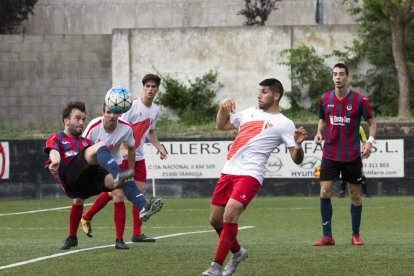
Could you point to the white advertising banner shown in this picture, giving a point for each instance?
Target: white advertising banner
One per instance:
(4, 160)
(205, 159)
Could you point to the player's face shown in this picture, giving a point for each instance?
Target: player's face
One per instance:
(265, 98)
(150, 90)
(74, 124)
(339, 77)
(110, 119)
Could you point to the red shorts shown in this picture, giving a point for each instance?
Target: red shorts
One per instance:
(140, 170)
(242, 188)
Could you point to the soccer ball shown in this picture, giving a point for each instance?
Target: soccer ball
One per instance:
(118, 99)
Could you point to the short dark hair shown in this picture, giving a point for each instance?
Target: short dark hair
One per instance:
(343, 66)
(151, 77)
(274, 84)
(70, 106)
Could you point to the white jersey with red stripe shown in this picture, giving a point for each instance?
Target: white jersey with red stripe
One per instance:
(142, 118)
(122, 134)
(260, 133)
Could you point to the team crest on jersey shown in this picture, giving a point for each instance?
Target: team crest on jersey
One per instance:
(348, 107)
(268, 124)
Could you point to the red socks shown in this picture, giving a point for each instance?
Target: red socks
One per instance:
(97, 205)
(74, 219)
(227, 238)
(236, 246)
(136, 230)
(119, 219)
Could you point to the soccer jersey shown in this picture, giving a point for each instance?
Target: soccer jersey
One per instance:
(68, 148)
(260, 133)
(95, 131)
(343, 119)
(142, 119)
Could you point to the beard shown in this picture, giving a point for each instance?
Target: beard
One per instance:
(74, 131)
(264, 106)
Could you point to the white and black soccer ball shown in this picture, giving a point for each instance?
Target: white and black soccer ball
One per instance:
(118, 99)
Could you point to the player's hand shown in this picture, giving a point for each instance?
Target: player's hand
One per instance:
(318, 139)
(163, 153)
(300, 135)
(366, 150)
(228, 105)
(54, 168)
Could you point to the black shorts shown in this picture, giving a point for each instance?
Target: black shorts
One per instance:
(84, 180)
(349, 171)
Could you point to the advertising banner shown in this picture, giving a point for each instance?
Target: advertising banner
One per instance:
(4, 160)
(205, 159)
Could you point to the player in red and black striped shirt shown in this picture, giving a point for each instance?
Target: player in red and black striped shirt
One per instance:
(340, 114)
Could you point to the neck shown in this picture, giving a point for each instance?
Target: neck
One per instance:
(272, 110)
(146, 101)
(67, 133)
(341, 92)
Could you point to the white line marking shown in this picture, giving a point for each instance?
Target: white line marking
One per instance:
(104, 246)
(39, 211)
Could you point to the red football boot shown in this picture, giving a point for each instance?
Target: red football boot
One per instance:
(356, 240)
(326, 240)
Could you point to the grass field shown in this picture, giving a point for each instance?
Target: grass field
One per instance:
(282, 229)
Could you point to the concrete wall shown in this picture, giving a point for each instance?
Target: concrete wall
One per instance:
(101, 16)
(243, 56)
(40, 73)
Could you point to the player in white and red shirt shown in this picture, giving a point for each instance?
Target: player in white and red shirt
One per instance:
(116, 132)
(143, 116)
(260, 132)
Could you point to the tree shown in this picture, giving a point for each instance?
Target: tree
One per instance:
(394, 16)
(13, 13)
(258, 12)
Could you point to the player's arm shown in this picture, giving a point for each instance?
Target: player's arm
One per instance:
(223, 115)
(367, 147)
(319, 131)
(54, 157)
(131, 158)
(296, 152)
(154, 140)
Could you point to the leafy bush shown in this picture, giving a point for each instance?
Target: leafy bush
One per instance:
(309, 74)
(194, 104)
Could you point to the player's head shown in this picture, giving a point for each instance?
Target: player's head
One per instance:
(74, 115)
(270, 93)
(274, 85)
(151, 78)
(110, 119)
(340, 75)
(151, 85)
(342, 66)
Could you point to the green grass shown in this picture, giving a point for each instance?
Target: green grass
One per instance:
(278, 244)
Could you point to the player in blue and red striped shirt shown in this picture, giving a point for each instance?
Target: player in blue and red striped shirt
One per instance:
(82, 168)
(340, 114)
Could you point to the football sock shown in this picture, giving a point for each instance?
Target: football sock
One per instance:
(356, 212)
(236, 246)
(134, 195)
(97, 205)
(74, 219)
(137, 223)
(326, 213)
(119, 219)
(106, 161)
(226, 241)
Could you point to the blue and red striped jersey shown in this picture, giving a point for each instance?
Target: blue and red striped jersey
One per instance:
(67, 147)
(343, 118)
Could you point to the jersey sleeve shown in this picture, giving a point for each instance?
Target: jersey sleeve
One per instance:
(130, 141)
(366, 109)
(288, 135)
(52, 142)
(236, 118)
